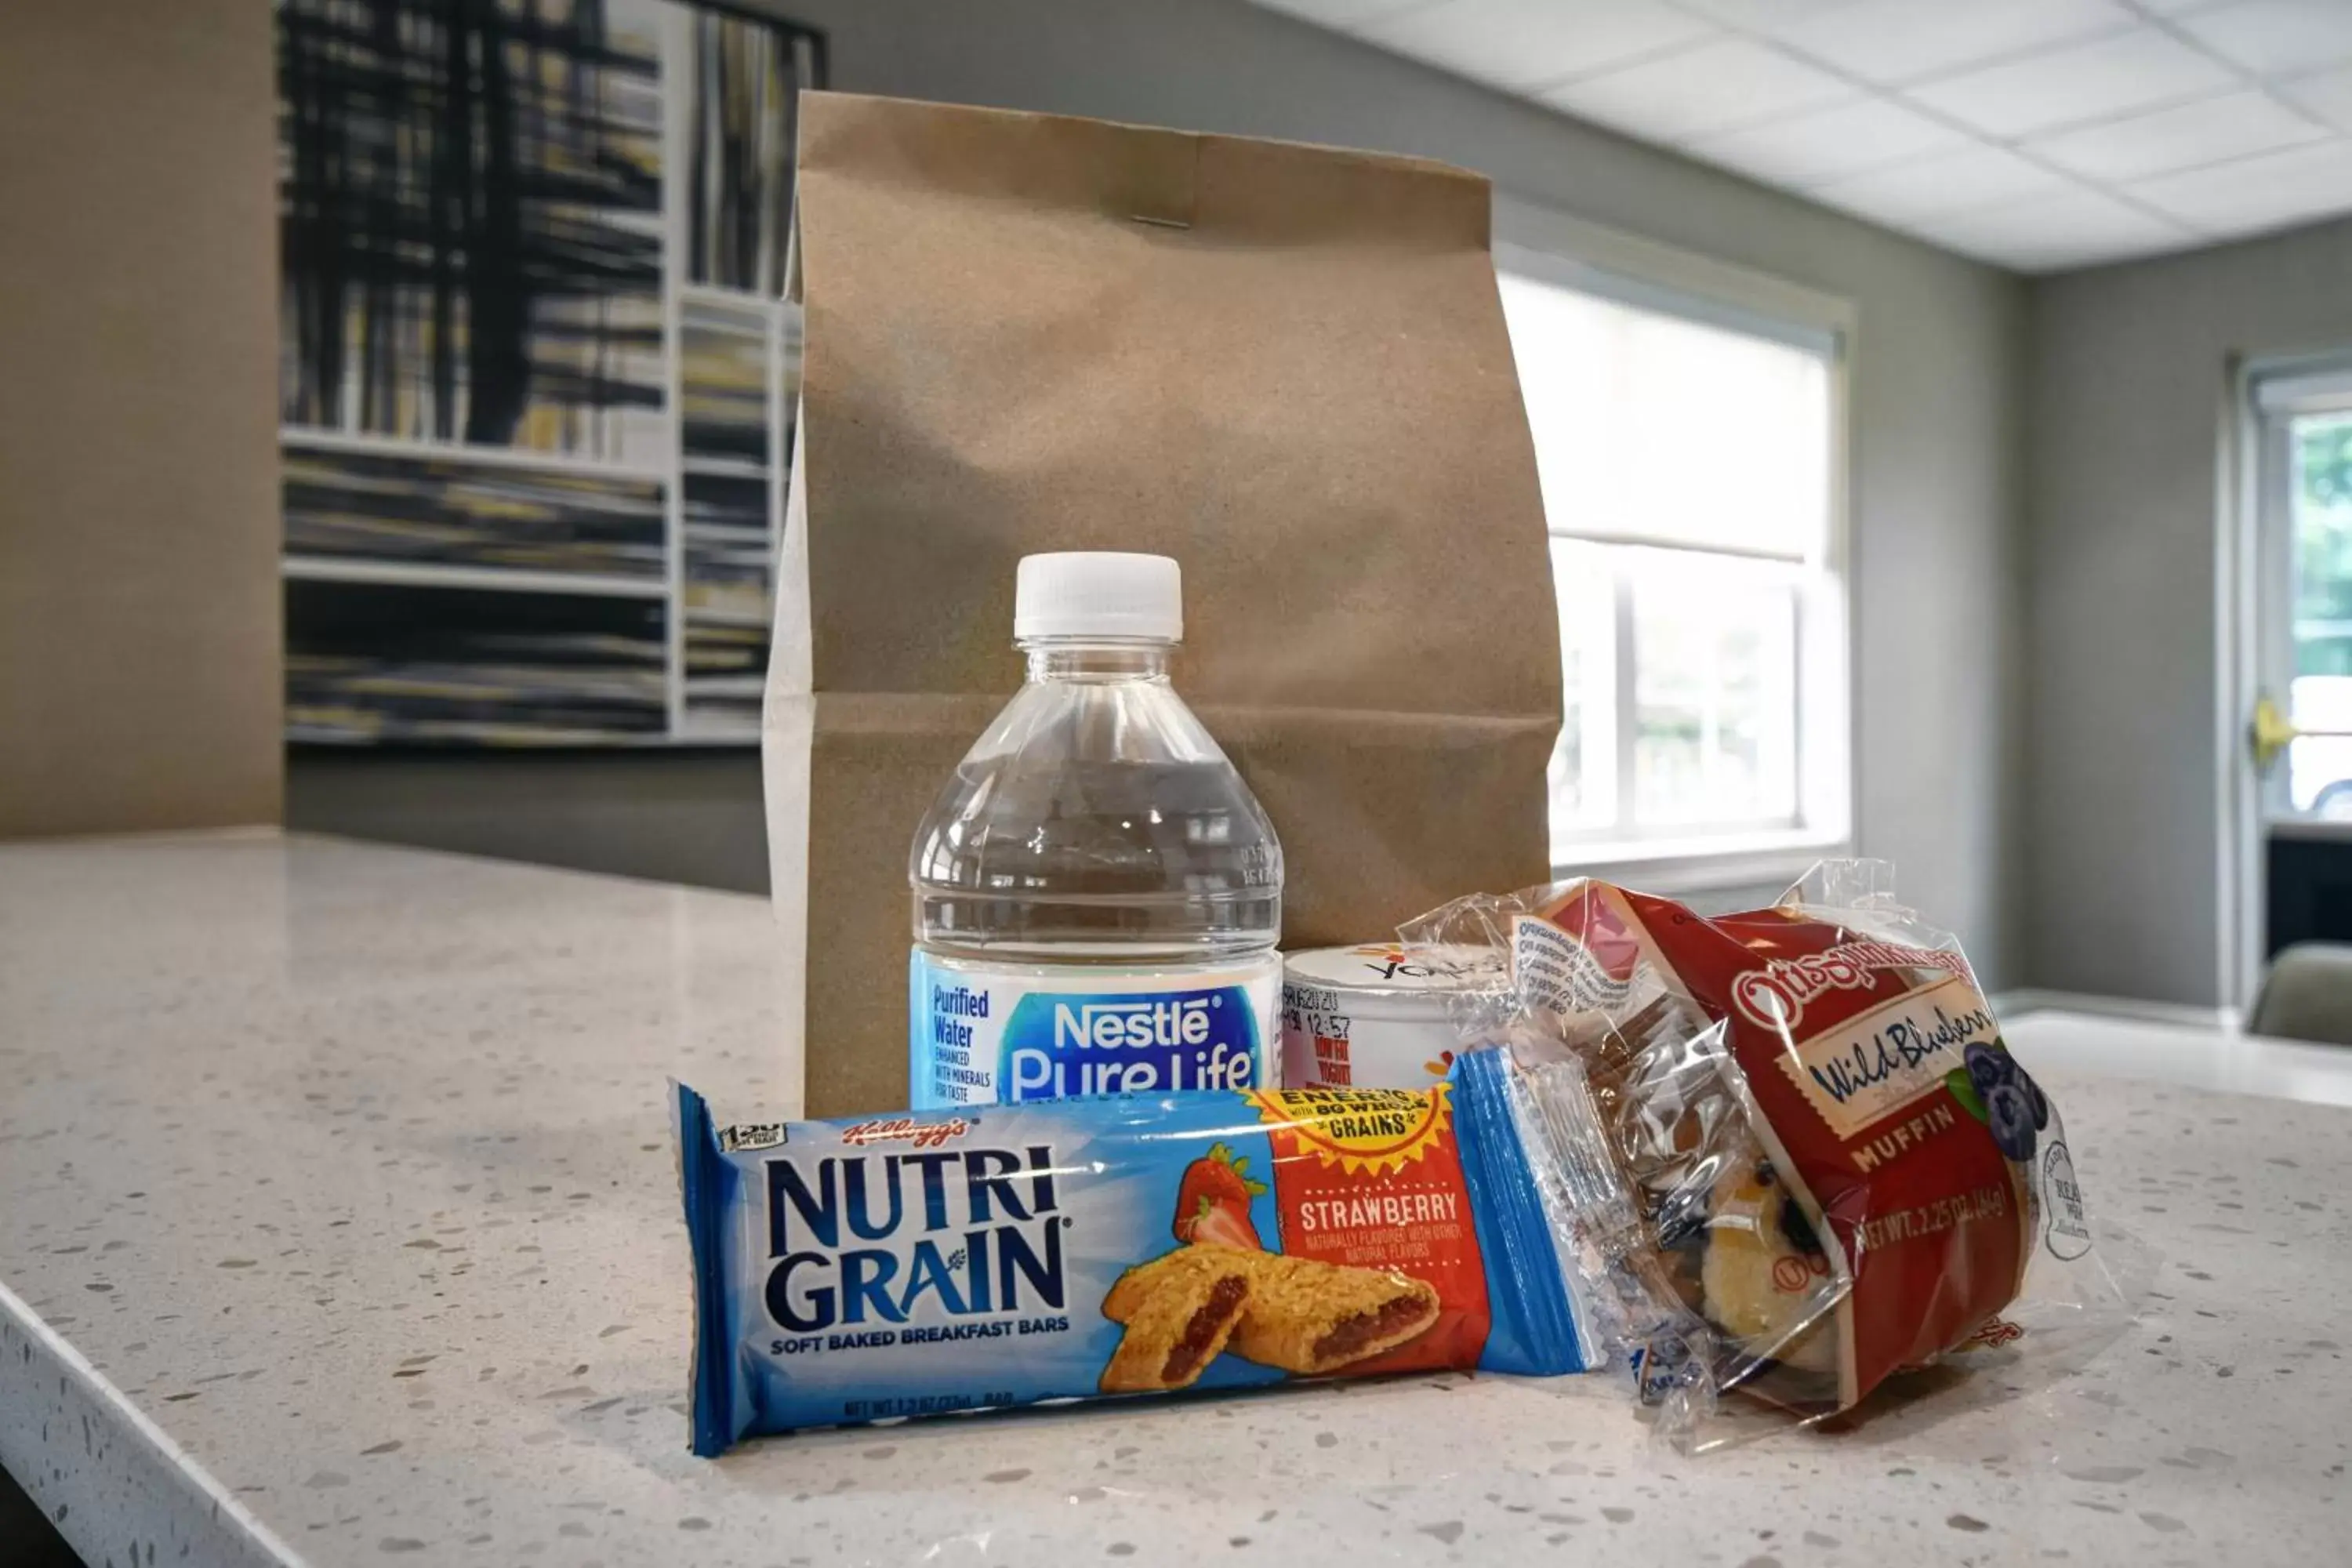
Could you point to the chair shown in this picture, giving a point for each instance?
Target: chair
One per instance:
(2307, 995)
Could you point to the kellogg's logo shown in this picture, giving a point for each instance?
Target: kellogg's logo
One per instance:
(1775, 995)
(921, 1134)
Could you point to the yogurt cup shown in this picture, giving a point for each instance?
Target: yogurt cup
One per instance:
(1373, 1016)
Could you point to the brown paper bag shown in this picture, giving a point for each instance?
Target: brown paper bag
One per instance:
(1285, 366)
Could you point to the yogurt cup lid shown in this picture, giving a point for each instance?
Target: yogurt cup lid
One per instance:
(1384, 966)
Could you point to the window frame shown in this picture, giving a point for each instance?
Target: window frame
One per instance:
(1551, 247)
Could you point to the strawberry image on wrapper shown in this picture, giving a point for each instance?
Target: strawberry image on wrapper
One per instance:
(1213, 1201)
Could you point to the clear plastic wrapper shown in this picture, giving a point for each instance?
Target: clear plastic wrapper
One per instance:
(1802, 1157)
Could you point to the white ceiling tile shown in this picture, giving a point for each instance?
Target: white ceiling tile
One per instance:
(1694, 91)
(1519, 44)
(1952, 181)
(1346, 12)
(1826, 144)
(2100, 131)
(2328, 95)
(2081, 82)
(1900, 40)
(2266, 191)
(1760, 16)
(2071, 227)
(2272, 37)
(2209, 131)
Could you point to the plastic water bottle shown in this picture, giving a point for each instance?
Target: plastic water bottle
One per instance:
(1098, 895)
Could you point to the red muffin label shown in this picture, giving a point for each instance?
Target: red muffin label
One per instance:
(1859, 1053)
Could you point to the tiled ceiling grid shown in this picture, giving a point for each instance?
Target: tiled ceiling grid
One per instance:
(2038, 134)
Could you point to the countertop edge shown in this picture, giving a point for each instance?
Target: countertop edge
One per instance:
(133, 1497)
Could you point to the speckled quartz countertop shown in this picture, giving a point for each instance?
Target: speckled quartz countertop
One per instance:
(336, 1226)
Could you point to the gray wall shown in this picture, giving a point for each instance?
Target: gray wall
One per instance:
(691, 816)
(140, 665)
(1939, 483)
(2130, 404)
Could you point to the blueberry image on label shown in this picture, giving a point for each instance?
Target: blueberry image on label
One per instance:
(2034, 1097)
(1988, 1069)
(2009, 1113)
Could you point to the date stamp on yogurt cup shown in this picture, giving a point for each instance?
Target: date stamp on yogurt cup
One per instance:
(1374, 1016)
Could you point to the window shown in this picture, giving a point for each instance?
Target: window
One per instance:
(1688, 451)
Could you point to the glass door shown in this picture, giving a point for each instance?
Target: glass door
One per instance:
(2299, 732)
(2303, 723)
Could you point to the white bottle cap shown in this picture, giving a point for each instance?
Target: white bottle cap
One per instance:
(1098, 594)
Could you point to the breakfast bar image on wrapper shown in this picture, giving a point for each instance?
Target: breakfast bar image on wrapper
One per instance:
(869, 1270)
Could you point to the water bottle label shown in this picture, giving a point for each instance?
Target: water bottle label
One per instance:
(985, 1036)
